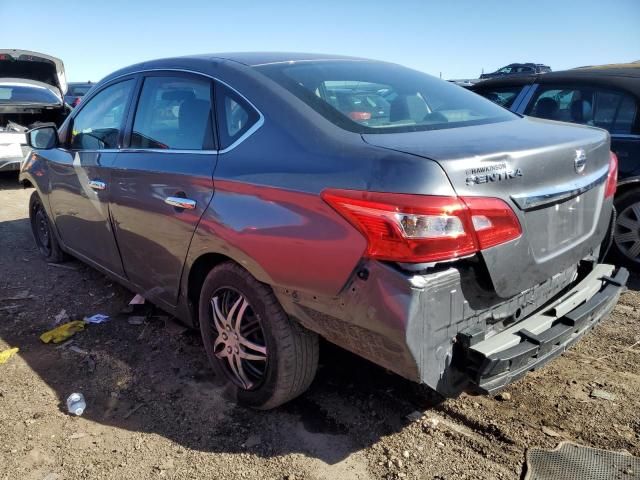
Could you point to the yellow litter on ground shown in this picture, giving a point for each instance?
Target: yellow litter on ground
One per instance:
(63, 332)
(7, 354)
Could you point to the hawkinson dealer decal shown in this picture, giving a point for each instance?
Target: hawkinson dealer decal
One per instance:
(496, 172)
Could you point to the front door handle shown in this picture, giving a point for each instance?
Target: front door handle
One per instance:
(179, 202)
(97, 184)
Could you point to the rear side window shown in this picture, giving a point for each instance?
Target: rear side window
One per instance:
(376, 97)
(98, 125)
(235, 116)
(173, 113)
(504, 96)
(609, 109)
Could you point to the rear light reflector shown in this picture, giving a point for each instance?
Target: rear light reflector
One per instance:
(612, 178)
(421, 228)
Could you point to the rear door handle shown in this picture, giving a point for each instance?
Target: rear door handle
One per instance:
(179, 202)
(97, 184)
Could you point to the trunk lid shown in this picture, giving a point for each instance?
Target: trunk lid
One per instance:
(552, 174)
(33, 66)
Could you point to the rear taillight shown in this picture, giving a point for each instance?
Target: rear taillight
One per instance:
(421, 228)
(612, 178)
(76, 102)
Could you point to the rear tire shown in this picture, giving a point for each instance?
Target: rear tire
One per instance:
(265, 357)
(625, 249)
(43, 234)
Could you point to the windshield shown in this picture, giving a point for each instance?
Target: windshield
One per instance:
(372, 97)
(10, 93)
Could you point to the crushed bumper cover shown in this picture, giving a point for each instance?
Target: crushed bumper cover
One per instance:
(492, 363)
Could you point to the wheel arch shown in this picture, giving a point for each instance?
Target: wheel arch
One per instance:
(197, 270)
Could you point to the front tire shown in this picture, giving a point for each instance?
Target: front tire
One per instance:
(625, 249)
(265, 357)
(43, 234)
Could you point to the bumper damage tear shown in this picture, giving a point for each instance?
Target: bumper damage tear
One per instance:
(489, 372)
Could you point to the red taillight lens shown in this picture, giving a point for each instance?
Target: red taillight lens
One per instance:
(76, 101)
(420, 228)
(612, 179)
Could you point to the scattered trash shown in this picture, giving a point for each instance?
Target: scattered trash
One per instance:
(570, 460)
(504, 396)
(97, 318)
(76, 404)
(137, 320)
(137, 300)
(21, 295)
(7, 354)
(62, 317)
(79, 350)
(549, 432)
(63, 332)
(602, 394)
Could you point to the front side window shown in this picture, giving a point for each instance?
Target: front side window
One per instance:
(235, 116)
(98, 125)
(609, 109)
(375, 97)
(504, 96)
(173, 113)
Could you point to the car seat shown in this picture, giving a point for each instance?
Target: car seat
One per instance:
(546, 108)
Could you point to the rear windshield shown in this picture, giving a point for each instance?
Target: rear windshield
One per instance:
(20, 94)
(372, 97)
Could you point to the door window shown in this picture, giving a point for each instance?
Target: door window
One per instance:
(174, 113)
(502, 96)
(599, 107)
(98, 125)
(235, 116)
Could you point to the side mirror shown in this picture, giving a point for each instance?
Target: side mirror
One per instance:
(44, 137)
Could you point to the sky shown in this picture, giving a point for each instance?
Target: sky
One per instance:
(454, 38)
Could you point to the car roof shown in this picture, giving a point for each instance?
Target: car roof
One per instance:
(627, 78)
(246, 59)
(253, 59)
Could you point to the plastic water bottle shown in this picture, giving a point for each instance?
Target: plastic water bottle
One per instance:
(76, 404)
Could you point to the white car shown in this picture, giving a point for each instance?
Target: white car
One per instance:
(32, 88)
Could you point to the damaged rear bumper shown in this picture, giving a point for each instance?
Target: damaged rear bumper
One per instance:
(492, 363)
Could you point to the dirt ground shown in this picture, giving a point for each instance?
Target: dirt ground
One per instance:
(154, 409)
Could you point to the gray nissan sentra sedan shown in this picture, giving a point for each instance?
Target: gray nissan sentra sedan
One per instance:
(268, 199)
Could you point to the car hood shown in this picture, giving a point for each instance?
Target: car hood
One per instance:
(33, 66)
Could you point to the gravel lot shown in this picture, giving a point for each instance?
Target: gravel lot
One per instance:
(155, 410)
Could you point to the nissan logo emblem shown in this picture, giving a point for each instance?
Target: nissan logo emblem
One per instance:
(580, 161)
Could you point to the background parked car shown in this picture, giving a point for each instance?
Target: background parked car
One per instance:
(76, 91)
(608, 98)
(517, 69)
(32, 86)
